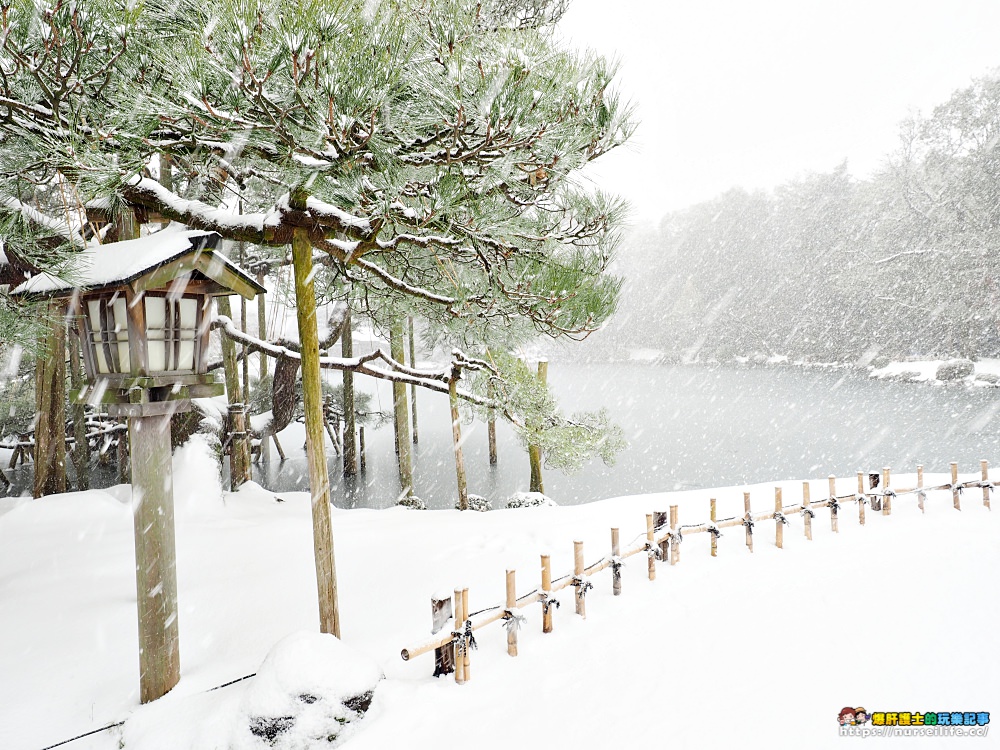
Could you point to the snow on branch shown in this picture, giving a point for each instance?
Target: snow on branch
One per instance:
(60, 227)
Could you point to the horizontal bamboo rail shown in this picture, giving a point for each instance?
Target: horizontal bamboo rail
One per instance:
(650, 542)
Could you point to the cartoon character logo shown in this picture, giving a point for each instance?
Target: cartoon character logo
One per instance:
(846, 716)
(860, 715)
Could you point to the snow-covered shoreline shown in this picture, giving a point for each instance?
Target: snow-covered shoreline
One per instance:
(708, 649)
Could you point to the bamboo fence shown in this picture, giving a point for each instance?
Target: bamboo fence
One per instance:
(661, 542)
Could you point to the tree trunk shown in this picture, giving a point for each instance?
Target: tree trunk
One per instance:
(413, 387)
(534, 451)
(491, 424)
(350, 427)
(78, 410)
(456, 436)
(402, 417)
(262, 326)
(50, 403)
(239, 446)
(319, 478)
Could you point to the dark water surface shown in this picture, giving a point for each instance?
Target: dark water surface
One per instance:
(687, 427)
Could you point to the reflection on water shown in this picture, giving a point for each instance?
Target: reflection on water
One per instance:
(687, 426)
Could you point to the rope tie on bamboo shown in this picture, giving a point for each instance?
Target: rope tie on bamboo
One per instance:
(834, 505)
(464, 641)
(582, 587)
(888, 493)
(807, 512)
(676, 538)
(714, 530)
(986, 486)
(513, 621)
(863, 499)
(548, 603)
(748, 523)
(616, 566)
(653, 550)
(780, 517)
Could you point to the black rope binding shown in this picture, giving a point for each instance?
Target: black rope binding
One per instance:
(616, 566)
(834, 505)
(513, 621)
(748, 524)
(548, 602)
(714, 531)
(582, 587)
(780, 517)
(464, 641)
(654, 549)
(807, 512)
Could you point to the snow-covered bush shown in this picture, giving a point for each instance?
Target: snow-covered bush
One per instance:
(477, 503)
(530, 500)
(955, 369)
(413, 502)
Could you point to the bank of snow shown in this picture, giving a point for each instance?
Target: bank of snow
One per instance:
(743, 650)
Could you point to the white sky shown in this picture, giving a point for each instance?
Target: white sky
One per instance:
(756, 92)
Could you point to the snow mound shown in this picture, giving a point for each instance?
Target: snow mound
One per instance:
(197, 481)
(477, 503)
(310, 688)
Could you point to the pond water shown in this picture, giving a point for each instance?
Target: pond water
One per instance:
(687, 427)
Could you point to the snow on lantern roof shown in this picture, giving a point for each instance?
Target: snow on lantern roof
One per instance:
(152, 261)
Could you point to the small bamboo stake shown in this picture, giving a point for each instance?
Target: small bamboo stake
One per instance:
(954, 486)
(650, 543)
(465, 616)
(616, 576)
(886, 497)
(459, 624)
(920, 488)
(511, 606)
(806, 511)
(581, 596)
(746, 508)
(833, 507)
(546, 591)
(985, 466)
(675, 547)
(715, 537)
(861, 498)
(779, 532)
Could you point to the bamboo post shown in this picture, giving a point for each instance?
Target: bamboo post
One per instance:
(920, 488)
(807, 511)
(511, 607)
(546, 593)
(886, 497)
(714, 516)
(861, 498)
(985, 466)
(650, 543)
(675, 547)
(616, 574)
(833, 503)
(581, 594)
(746, 509)
(956, 501)
(779, 532)
(457, 645)
(465, 618)
(444, 656)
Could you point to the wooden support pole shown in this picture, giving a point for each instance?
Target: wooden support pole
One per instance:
(886, 497)
(312, 397)
(361, 448)
(833, 504)
(712, 513)
(675, 547)
(466, 617)
(350, 408)
(547, 594)
(749, 518)
(413, 386)
(155, 556)
(861, 498)
(511, 607)
(401, 411)
(779, 531)
(955, 499)
(444, 656)
(581, 592)
(491, 423)
(456, 645)
(650, 543)
(920, 488)
(535, 451)
(807, 511)
(616, 575)
(985, 466)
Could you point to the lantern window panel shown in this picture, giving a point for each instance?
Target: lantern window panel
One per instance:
(107, 324)
(172, 332)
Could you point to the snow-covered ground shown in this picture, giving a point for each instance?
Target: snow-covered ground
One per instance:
(742, 650)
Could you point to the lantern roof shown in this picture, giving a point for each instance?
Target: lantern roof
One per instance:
(150, 262)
